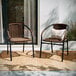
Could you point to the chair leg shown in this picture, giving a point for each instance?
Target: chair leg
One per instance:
(67, 48)
(33, 48)
(23, 47)
(40, 49)
(63, 52)
(52, 47)
(7, 48)
(10, 53)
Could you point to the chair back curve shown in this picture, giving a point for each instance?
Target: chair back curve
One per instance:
(60, 26)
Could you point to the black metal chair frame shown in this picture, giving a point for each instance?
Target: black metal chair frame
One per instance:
(54, 43)
(10, 43)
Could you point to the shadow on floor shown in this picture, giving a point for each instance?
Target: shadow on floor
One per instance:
(26, 68)
(45, 54)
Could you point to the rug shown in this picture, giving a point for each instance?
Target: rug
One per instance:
(48, 62)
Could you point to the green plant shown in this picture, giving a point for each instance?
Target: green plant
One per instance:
(72, 32)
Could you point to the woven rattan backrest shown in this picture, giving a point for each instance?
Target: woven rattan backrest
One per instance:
(16, 30)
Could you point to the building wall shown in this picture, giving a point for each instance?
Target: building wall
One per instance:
(59, 11)
(44, 8)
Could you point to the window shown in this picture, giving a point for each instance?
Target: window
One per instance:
(20, 11)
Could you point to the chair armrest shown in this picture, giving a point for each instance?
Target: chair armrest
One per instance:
(30, 31)
(46, 29)
(8, 34)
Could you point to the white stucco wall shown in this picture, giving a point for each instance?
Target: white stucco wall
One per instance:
(57, 11)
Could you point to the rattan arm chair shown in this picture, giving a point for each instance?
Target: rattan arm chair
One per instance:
(16, 35)
(55, 41)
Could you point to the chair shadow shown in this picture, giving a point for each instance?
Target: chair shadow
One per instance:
(25, 68)
(4, 55)
(70, 57)
(45, 55)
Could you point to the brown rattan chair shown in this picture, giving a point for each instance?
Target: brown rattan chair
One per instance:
(16, 36)
(55, 40)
